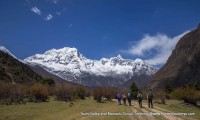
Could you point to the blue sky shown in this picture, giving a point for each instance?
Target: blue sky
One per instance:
(97, 28)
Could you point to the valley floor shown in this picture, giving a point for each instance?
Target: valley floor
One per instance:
(79, 110)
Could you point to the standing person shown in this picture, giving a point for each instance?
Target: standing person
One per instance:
(129, 98)
(150, 98)
(119, 97)
(139, 96)
(124, 98)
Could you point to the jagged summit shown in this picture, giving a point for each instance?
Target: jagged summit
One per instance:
(138, 60)
(119, 56)
(70, 64)
(64, 50)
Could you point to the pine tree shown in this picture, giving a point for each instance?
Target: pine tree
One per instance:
(134, 91)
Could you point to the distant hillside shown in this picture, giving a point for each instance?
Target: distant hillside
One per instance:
(12, 70)
(183, 66)
(140, 81)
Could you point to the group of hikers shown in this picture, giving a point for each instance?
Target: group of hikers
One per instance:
(139, 96)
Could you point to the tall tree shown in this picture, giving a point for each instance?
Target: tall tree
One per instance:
(134, 90)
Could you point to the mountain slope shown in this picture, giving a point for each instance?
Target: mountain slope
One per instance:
(183, 65)
(45, 74)
(71, 65)
(12, 70)
(5, 50)
(141, 81)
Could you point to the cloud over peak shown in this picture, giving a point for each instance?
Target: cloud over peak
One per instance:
(158, 47)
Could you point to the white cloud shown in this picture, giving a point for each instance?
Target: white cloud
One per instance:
(161, 45)
(49, 17)
(36, 10)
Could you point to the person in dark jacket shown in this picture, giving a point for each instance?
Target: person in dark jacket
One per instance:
(139, 96)
(129, 98)
(124, 98)
(150, 98)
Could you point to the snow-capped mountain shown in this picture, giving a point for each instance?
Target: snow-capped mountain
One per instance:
(71, 65)
(4, 49)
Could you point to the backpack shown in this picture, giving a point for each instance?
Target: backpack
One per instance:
(124, 96)
(139, 96)
(129, 95)
(150, 95)
(119, 96)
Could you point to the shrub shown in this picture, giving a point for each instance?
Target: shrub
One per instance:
(188, 94)
(88, 93)
(161, 95)
(38, 92)
(11, 93)
(168, 89)
(48, 81)
(98, 93)
(51, 90)
(64, 92)
(81, 92)
(5, 90)
(107, 92)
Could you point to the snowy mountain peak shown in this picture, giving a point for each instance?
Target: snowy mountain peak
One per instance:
(4, 49)
(138, 60)
(69, 64)
(119, 56)
(65, 50)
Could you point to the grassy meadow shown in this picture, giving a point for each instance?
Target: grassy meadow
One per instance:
(59, 110)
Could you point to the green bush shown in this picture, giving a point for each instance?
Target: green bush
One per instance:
(48, 81)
